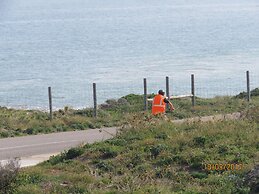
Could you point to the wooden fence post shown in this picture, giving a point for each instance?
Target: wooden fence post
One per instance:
(95, 100)
(193, 90)
(167, 91)
(248, 86)
(50, 103)
(145, 95)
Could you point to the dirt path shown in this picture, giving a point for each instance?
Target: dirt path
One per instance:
(219, 117)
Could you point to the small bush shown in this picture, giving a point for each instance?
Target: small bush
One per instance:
(254, 92)
(165, 161)
(143, 168)
(108, 152)
(161, 136)
(196, 161)
(135, 159)
(74, 152)
(257, 146)
(84, 112)
(157, 149)
(123, 101)
(252, 179)
(8, 174)
(223, 149)
(199, 141)
(104, 166)
(199, 175)
(67, 155)
(79, 126)
(4, 134)
(29, 131)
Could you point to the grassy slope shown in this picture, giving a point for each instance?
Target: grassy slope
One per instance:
(22, 122)
(151, 157)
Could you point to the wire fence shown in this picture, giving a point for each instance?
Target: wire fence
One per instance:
(80, 95)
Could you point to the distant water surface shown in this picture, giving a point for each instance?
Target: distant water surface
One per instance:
(69, 44)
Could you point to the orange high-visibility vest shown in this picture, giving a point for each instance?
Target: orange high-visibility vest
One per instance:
(158, 105)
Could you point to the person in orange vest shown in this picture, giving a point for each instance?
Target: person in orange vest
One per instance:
(159, 103)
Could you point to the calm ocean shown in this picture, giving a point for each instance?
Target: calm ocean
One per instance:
(69, 44)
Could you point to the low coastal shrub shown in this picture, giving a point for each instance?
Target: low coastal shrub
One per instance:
(8, 175)
(66, 155)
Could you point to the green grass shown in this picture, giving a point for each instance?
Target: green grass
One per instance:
(154, 156)
(148, 155)
(113, 113)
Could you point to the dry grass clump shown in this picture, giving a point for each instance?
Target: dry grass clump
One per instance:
(8, 175)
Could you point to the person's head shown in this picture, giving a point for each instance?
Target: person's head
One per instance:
(161, 92)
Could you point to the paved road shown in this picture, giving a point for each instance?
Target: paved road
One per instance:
(50, 143)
